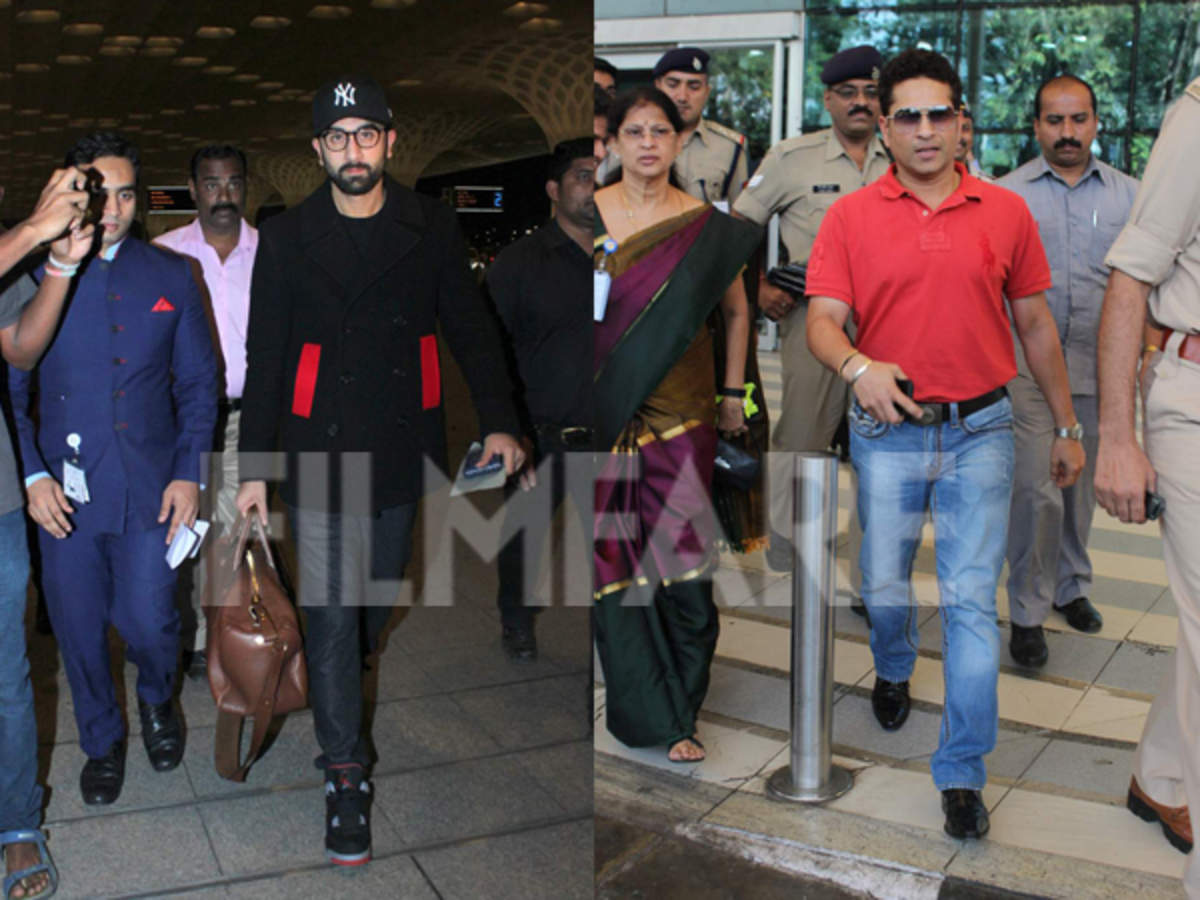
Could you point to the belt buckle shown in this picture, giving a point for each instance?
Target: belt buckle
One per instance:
(930, 414)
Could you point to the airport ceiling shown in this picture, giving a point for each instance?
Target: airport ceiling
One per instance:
(471, 82)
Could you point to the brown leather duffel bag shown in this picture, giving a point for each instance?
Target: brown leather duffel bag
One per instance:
(255, 654)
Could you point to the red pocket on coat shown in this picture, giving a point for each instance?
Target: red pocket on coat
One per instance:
(306, 380)
(431, 373)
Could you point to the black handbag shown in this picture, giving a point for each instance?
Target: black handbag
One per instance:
(734, 467)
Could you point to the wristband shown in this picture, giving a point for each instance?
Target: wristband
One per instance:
(738, 393)
(857, 375)
(55, 272)
(1150, 348)
(58, 263)
(842, 367)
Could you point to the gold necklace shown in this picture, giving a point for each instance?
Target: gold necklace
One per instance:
(629, 210)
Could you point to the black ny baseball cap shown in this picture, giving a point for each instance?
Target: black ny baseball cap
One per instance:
(350, 95)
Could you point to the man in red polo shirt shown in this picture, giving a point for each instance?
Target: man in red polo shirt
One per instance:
(924, 258)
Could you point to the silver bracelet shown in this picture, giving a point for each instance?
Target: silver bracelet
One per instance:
(59, 264)
(857, 375)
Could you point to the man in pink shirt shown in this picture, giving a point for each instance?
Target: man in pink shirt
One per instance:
(224, 246)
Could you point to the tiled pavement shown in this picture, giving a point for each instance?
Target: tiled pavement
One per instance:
(1058, 776)
(483, 788)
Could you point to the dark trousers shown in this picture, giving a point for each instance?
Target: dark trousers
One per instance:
(96, 580)
(527, 519)
(349, 568)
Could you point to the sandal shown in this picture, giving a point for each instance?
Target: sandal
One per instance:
(693, 739)
(46, 864)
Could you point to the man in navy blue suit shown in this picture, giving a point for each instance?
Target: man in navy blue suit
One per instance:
(126, 406)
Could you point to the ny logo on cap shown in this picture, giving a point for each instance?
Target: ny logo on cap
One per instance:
(343, 95)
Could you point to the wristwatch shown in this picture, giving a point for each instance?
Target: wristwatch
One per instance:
(1074, 433)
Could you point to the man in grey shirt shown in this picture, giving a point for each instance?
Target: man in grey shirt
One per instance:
(1080, 205)
(28, 318)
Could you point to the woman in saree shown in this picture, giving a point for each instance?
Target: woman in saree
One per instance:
(672, 260)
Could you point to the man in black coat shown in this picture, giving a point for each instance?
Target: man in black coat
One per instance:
(343, 376)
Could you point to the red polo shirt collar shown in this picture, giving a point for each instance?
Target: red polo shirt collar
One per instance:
(968, 188)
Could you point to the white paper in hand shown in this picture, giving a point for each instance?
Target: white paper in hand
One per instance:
(181, 545)
(200, 527)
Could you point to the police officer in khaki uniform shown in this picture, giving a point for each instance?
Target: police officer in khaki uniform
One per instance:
(800, 178)
(1155, 265)
(712, 164)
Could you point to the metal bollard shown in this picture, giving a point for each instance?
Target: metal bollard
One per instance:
(811, 777)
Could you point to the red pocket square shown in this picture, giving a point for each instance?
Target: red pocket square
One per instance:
(163, 305)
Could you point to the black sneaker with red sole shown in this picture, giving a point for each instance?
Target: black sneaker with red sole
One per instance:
(347, 815)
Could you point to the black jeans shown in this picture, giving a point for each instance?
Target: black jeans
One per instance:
(527, 524)
(348, 597)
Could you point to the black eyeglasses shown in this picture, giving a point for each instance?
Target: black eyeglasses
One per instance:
(366, 136)
(908, 118)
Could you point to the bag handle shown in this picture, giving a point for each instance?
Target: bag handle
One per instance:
(227, 740)
(243, 528)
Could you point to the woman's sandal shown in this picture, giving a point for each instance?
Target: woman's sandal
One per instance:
(693, 739)
(45, 864)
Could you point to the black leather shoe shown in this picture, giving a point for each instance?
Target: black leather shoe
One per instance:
(101, 780)
(966, 816)
(1082, 616)
(890, 703)
(1028, 645)
(162, 733)
(520, 643)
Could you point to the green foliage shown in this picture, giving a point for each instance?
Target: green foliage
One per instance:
(741, 94)
(1003, 51)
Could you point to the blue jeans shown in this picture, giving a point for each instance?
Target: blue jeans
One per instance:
(20, 795)
(962, 470)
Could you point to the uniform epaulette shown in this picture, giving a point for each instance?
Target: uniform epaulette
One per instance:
(1193, 89)
(803, 141)
(725, 131)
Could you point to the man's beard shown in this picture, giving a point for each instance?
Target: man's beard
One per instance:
(357, 184)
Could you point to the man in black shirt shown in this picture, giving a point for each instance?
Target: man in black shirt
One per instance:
(540, 288)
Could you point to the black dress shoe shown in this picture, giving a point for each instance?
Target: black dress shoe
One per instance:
(162, 733)
(1028, 645)
(890, 703)
(101, 780)
(520, 643)
(966, 816)
(1082, 616)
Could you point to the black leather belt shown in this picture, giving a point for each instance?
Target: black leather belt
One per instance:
(937, 413)
(572, 436)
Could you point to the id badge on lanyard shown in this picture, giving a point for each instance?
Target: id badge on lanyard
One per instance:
(602, 282)
(74, 480)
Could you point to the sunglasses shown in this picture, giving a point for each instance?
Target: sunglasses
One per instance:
(908, 118)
